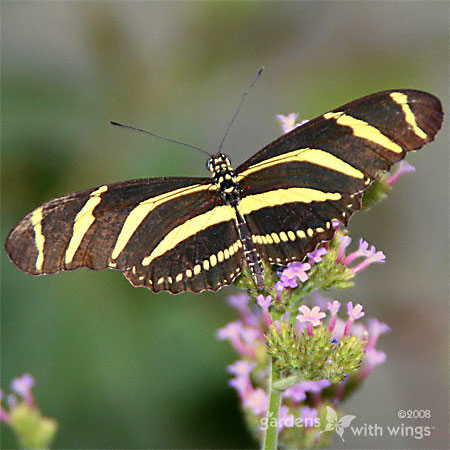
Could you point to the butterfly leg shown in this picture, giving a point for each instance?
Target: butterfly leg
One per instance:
(252, 257)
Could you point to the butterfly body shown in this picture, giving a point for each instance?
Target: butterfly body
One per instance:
(181, 234)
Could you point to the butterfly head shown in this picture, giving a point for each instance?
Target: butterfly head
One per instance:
(223, 177)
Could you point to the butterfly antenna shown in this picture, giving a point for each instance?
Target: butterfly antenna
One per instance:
(117, 124)
(260, 71)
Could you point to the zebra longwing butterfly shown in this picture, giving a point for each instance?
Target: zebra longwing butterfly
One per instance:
(179, 234)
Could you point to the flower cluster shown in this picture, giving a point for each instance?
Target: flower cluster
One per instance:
(32, 429)
(321, 359)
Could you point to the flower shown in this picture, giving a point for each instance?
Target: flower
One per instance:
(22, 386)
(376, 328)
(288, 123)
(344, 242)
(292, 272)
(312, 316)
(309, 416)
(257, 401)
(317, 254)
(241, 368)
(239, 301)
(241, 338)
(285, 419)
(264, 302)
(4, 416)
(297, 393)
(354, 312)
(403, 167)
(334, 307)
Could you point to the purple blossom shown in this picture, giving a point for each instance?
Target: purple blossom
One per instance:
(309, 416)
(376, 328)
(288, 123)
(344, 242)
(375, 257)
(241, 338)
(264, 302)
(373, 358)
(403, 167)
(294, 271)
(257, 401)
(239, 301)
(334, 307)
(22, 386)
(312, 316)
(4, 416)
(242, 385)
(354, 312)
(371, 254)
(241, 368)
(317, 254)
(285, 419)
(295, 393)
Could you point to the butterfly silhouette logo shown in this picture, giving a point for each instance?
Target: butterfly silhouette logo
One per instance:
(338, 424)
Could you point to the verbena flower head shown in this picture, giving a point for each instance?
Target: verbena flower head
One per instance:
(31, 428)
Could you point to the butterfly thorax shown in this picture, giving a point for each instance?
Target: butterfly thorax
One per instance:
(224, 178)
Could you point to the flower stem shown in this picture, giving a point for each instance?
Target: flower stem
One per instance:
(270, 441)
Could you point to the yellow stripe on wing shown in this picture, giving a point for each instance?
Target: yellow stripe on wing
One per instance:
(279, 197)
(83, 221)
(364, 130)
(140, 212)
(189, 228)
(402, 100)
(39, 238)
(310, 155)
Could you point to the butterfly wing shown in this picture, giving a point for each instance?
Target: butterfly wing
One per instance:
(149, 229)
(294, 187)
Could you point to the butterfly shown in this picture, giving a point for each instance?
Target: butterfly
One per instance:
(191, 234)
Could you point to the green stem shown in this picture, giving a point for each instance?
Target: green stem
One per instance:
(270, 441)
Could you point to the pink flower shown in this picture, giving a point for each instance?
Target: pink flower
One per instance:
(312, 316)
(264, 302)
(355, 312)
(334, 307)
(317, 254)
(344, 242)
(376, 328)
(294, 271)
(22, 386)
(309, 416)
(403, 167)
(288, 123)
(241, 368)
(4, 416)
(257, 401)
(285, 419)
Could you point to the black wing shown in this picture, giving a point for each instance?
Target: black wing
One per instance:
(160, 232)
(294, 187)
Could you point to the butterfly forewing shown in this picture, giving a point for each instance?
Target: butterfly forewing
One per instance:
(369, 134)
(317, 172)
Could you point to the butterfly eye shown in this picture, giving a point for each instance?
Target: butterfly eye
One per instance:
(208, 165)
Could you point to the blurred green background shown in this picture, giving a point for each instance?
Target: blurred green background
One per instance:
(124, 368)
